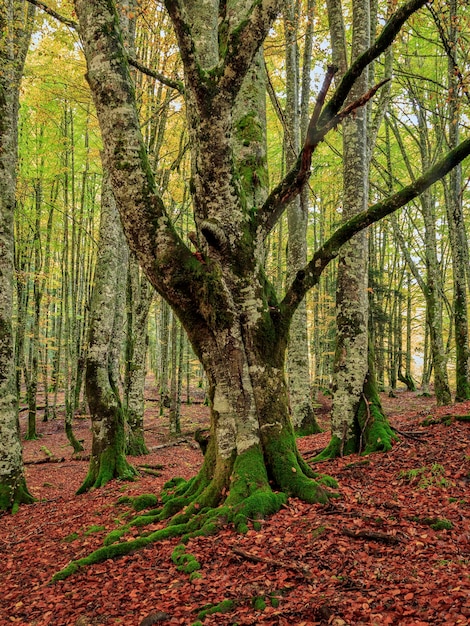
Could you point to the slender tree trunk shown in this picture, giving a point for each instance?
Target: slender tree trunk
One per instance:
(297, 214)
(174, 414)
(107, 459)
(407, 377)
(358, 422)
(455, 218)
(15, 32)
(139, 299)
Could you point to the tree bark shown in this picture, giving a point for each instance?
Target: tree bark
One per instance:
(454, 205)
(107, 458)
(297, 216)
(15, 32)
(139, 299)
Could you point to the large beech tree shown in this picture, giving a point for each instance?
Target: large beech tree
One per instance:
(237, 324)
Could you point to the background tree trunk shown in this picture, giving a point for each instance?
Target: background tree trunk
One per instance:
(107, 459)
(15, 32)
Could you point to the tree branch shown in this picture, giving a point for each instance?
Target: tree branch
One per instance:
(244, 42)
(308, 277)
(173, 84)
(295, 180)
(383, 41)
(450, 53)
(299, 174)
(148, 228)
(64, 20)
(186, 45)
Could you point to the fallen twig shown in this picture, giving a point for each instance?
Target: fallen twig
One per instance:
(371, 535)
(48, 459)
(301, 569)
(417, 435)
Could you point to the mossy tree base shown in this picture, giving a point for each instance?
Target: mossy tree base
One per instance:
(74, 442)
(371, 431)
(202, 505)
(135, 445)
(309, 426)
(108, 465)
(12, 497)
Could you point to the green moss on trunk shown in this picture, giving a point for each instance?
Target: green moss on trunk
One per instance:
(12, 496)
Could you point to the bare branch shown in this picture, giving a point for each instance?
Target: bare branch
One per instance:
(383, 41)
(339, 117)
(295, 180)
(173, 84)
(244, 42)
(64, 20)
(450, 53)
(308, 277)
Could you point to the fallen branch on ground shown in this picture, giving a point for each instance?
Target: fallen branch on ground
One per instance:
(371, 535)
(301, 569)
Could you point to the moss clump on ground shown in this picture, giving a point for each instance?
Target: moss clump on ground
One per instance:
(258, 603)
(184, 561)
(94, 529)
(433, 476)
(223, 607)
(145, 501)
(435, 523)
(430, 420)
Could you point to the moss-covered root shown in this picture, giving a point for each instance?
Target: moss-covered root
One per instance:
(376, 434)
(371, 431)
(118, 549)
(110, 464)
(223, 607)
(194, 507)
(291, 473)
(11, 497)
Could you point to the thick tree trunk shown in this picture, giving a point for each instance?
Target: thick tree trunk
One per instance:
(107, 459)
(15, 32)
(234, 320)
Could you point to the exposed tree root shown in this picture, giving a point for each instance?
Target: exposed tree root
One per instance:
(371, 431)
(203, 504)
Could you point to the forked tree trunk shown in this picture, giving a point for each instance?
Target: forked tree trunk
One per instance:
(236, 324)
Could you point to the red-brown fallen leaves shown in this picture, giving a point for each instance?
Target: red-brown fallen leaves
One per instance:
(423, 579)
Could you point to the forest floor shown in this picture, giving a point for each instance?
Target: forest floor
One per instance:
(393, 549)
